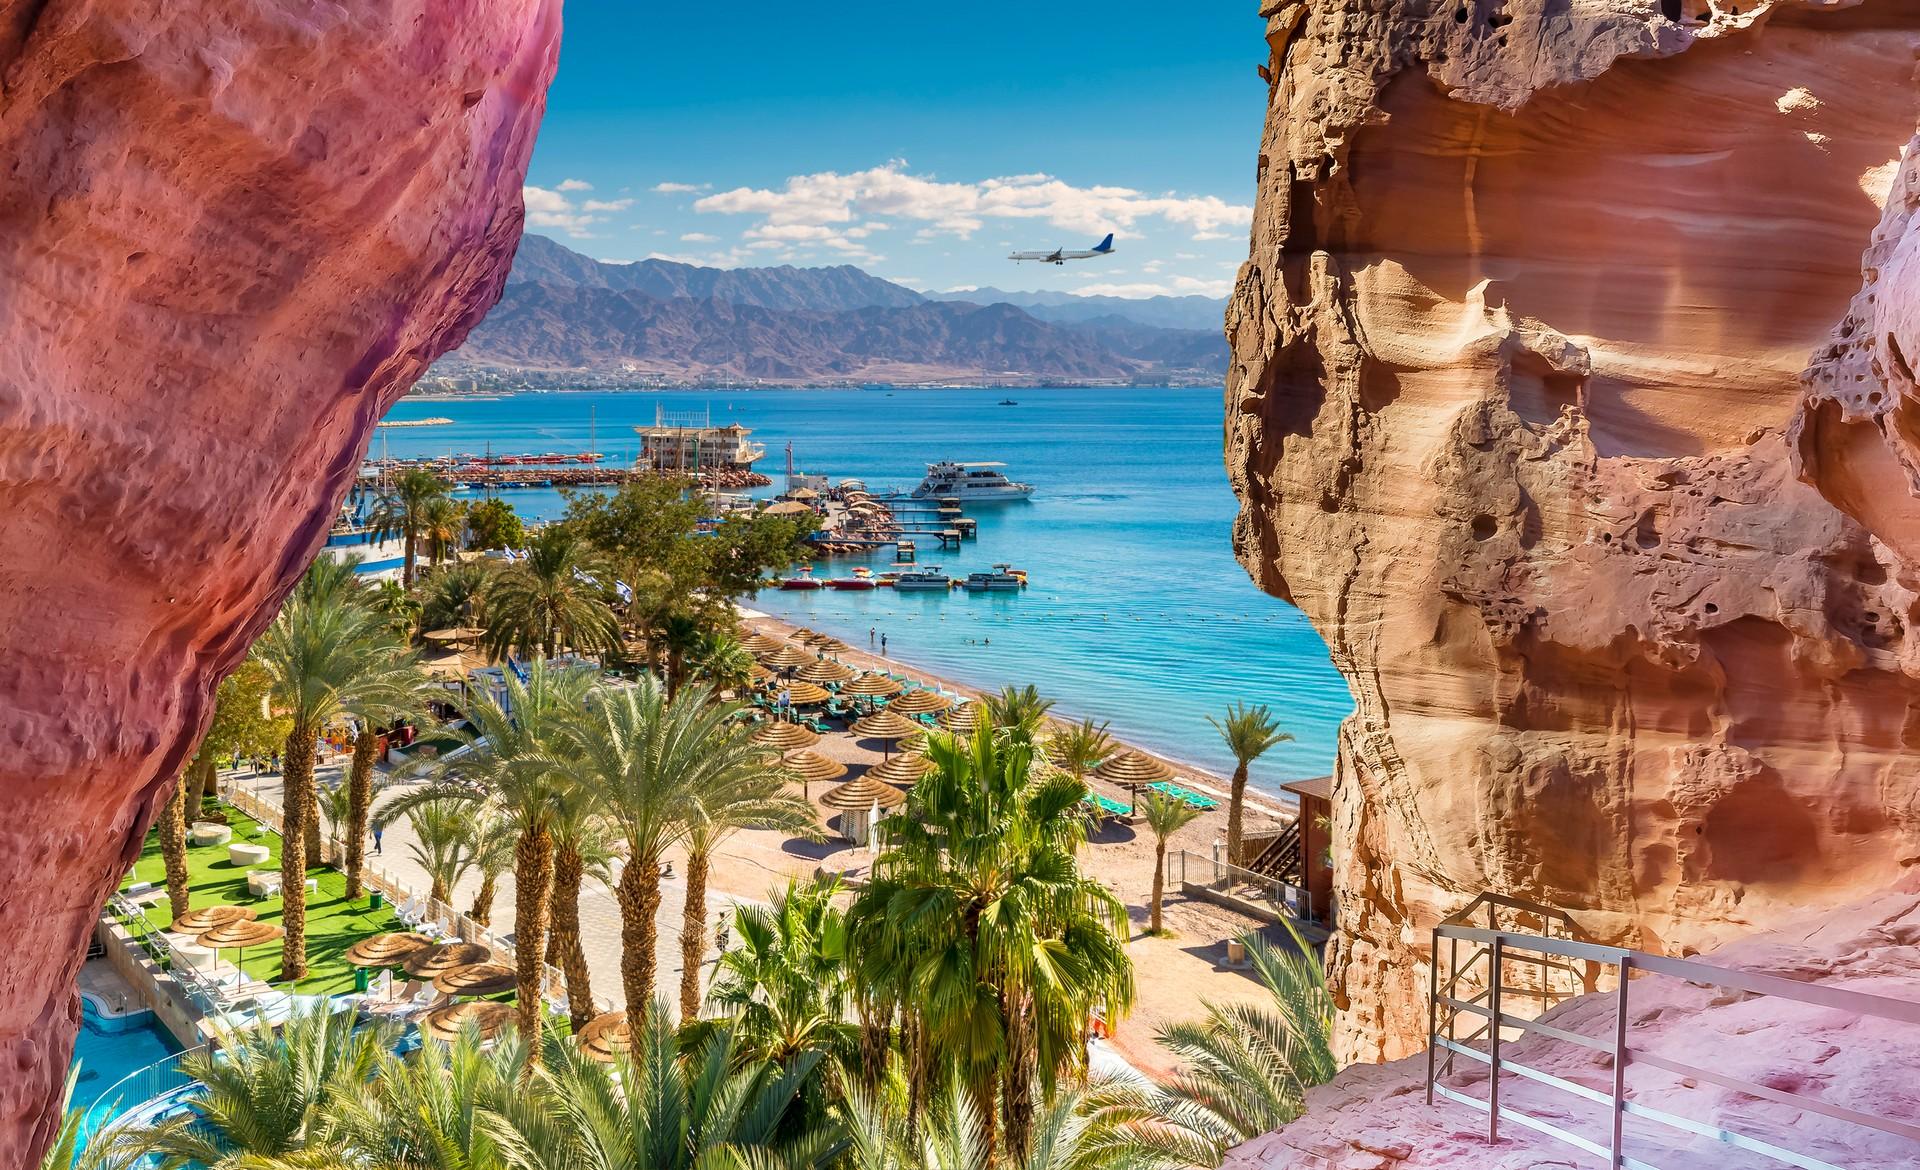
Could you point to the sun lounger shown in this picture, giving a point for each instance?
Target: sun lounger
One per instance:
(1193, 799)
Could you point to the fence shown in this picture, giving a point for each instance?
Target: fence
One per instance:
(1261, 892)
(417, 910)
(1565, 964)
(147, 1092)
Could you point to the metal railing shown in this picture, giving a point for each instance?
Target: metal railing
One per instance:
(143, 1090)
(1495, 1019)
(1281, 897)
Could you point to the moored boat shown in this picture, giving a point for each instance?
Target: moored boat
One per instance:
(1003, 578)
(806, 580)
(969, 482)
(928, 578)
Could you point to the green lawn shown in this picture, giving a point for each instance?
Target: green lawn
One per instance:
(333, 924)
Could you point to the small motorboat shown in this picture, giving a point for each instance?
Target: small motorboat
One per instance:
(1001, 579)
(852, 583)
(1008, 402)
(928, 578)
(806, 580)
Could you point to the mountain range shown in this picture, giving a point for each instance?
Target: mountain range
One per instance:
(659, 319)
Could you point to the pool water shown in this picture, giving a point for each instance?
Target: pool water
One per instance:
(109, 1049)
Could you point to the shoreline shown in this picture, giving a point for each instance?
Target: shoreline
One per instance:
(1256, 802)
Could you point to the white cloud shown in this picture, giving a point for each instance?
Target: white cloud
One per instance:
(1179, 286)
(829, 198)
(699, 238)
(606, 205)
(1209, 235)
(680, 188)
(550, 209)
(574, 185)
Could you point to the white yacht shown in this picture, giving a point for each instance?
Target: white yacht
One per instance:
(976, 482)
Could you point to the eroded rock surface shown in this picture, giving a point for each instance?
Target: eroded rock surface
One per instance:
(1561, 406)
(231, 233)
(1375, 1117)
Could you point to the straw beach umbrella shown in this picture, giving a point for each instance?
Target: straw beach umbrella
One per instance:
(445, 1023)
(240, 934)
(858, 799)
(606, 1037)
(886, 725)
(805, 694)
(814, 768)
(873, 686)
(826, 670)
(201, 921)
(788, 657)
(905, 769)
(430, 962)
(476, 979)
(920, 702)
(784, 736)
(387, 950)
(963, 718)
(1132, 771)
(758, 644)
(455, 634)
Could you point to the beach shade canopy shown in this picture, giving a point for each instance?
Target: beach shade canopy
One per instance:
(606, 1037)
(803, 494)
(452, 665)
(199, 921)
(455, 634)
(805, 694)
(787, 508)
(475, 979)
(874, 685)
(801, 632)
(963, 718)
(428, 963)
(920, 702)
(824, 671)
(863, 793)
(906, 769)
(815, 768)
(785, 736)
(757, 644)
(446, 1023)
(885, 724)
(387, 950)
(1132, 770)
(788, 657)
(241, 932)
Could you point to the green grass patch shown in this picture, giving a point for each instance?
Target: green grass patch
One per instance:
(333, 923)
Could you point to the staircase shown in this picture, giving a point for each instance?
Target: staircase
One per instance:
(1282, 857)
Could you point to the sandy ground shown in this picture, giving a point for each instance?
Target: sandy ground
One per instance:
(1173, 975)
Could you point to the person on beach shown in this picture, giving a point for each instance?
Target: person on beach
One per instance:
(883, 644)
(870, 630)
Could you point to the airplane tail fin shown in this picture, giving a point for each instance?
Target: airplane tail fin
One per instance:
(1105, 245)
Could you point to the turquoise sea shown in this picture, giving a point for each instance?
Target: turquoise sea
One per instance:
(1137, 612)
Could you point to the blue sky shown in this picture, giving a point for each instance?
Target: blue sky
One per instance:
(919, 141)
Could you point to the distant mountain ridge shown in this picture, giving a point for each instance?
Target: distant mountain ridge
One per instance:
(1188, 312)
(665, 320)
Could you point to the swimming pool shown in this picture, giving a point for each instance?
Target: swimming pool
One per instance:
(109, 1049)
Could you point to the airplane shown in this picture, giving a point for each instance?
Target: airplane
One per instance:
(1058, 256)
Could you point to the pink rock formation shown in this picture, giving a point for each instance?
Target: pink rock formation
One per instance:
(1375, 1117)
(233, 233)
(1516, 419)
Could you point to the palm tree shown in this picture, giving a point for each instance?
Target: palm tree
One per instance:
(743, 785)
(403, 695)
(1018, 711)
(1248, 732)
(435, 1109)
(441, 845)
(1165, 815)
(441, 523)
(980, 926)
(455, 595)
(783, 984)
(335, 806)
(1079, 747)
(490, 837)
(401, 511)
(654, 1109)
(724, 663)
(681, 636)
(173, 847)
(651, 759)
(548, 600)
(265, 1095)
(327, 657)
(512, 754)
(396, 603)
(582, 846)
(1104, 1126)
(1247, 1068)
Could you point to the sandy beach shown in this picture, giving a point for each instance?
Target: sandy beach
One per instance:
(1173, 974)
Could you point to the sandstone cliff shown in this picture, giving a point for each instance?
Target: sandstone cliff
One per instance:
(231, 233)
(1561, 406)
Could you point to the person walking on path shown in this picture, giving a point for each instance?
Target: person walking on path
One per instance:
(378, 829)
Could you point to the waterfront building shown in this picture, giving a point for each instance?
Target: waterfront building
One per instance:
(688, 441)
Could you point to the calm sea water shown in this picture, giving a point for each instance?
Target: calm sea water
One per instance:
(1137, 612)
